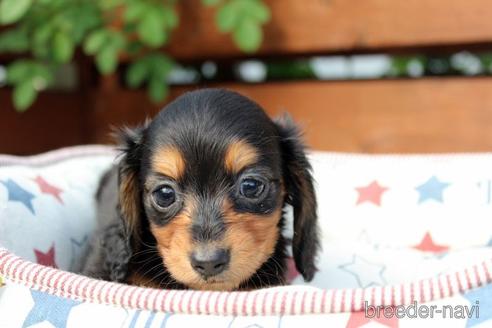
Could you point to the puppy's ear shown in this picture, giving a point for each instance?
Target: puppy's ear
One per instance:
(117, 252)
(130, 204)
(300, 194)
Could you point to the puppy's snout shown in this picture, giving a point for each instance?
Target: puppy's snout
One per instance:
(210, 262)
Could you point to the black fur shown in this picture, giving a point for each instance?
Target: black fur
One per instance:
(201, 125)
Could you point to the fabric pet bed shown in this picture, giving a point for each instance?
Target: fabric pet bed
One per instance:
(397, 230)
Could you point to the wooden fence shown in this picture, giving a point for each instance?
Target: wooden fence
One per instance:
(409, 115)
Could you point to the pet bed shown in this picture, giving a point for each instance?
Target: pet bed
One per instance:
(397, 230)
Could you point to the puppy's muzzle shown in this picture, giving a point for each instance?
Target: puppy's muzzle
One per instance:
(209, 262)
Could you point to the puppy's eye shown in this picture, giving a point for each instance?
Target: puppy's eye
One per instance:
(164, 197)
(251, 188)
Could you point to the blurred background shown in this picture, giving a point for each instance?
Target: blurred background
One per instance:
(375, 76)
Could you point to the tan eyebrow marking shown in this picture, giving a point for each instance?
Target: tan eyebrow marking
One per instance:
(169, 161)
(238, 155)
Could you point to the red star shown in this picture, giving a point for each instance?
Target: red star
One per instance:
(372, 193)
(359, 319)
(428, 245)
(48, 258)
(47, 188)
(292, 272)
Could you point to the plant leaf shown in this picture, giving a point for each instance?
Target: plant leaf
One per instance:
(107, 60)
(227, 17)
(257, 10)
(170, 17)
(134, 11)
(248, 35)
(161, 65)
(137, 73)
(15, 40)
(151, 30)
(63, 47)
(19, 71)
(211, 2)
(13, 10)
(157, 90)
(24, 95)
(95, 41)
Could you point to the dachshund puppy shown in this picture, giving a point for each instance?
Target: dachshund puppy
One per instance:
(197, 199)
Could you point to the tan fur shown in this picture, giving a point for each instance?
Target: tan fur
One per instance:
(128, 198)
(169, 161)
(141, 281)
(175, 245)
(238, 155)
(250, 238)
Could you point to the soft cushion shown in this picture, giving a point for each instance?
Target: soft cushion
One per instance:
(396, 229)
(384, 219)
(47, 203)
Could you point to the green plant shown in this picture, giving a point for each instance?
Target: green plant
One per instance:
(46, 34)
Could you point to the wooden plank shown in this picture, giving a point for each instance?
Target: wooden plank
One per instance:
(55, 120)
(321, 26)
(409, 116)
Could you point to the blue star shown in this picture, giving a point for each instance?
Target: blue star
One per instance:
(18, 194)
(366, 273)
(49, 308)
(481, 305)
(432, 189)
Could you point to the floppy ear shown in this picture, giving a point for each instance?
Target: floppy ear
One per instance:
(129, 200)
(300, 194)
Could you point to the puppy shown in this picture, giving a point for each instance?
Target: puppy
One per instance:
(197, 199)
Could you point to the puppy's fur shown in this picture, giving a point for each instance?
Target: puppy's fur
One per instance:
(207, 179)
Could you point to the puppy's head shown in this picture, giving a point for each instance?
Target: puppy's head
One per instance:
(208, 178)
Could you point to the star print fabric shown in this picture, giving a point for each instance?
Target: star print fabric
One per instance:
(47, 208)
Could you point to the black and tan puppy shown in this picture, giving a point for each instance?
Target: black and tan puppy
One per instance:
(197, 199)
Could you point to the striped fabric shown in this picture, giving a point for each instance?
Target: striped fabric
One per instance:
(274, 301)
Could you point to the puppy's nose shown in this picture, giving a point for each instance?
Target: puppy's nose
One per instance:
(210, 263)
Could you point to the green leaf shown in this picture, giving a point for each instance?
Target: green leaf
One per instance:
(95, 41)
(257, 10)
(227, 17)
(24, 95)
(23, 70)
(134, 11)
(107, 60)
(134, 47)
(137, 73)
(161, 65)
(13, 10)
(211, 2)
(110, 4)
(41, 38)
(63, 47)
(151, 30)
(19, 71)
(42, 34)
(170, 17)
(158, 90)
(83, 17)
(15, 40)
(248, 35)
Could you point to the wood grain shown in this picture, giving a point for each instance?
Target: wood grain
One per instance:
(410, 116)
(321, 26)
(55, 120)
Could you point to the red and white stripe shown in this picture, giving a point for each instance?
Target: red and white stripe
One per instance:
(276, 301)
